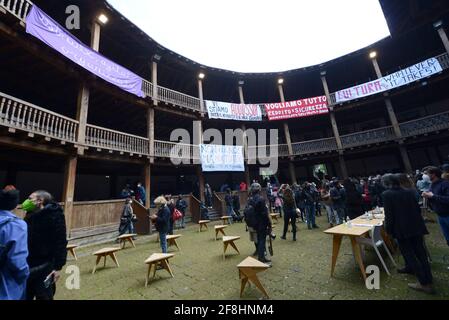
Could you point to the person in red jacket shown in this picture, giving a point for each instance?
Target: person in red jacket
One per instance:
(243, 186)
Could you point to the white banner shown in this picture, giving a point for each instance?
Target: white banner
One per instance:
(230, 111)
(395, 80)
(222, 158)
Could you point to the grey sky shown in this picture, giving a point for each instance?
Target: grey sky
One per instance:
(258, 35)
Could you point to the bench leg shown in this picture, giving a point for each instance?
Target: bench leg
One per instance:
(259, 285)
(243, 285)
(175, 243)
(114, 258)
(235, 247)
(166, 266)
(104, 262)
(132, 242)
(148, 275)
(224, 250)
(96, 263)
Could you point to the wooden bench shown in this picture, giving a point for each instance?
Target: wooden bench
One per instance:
(219, 229)
(230, 241)
(248, 270)
(203, 223)
(71, 248)
(171, 240)
(226, 219)
(155, 260)
(126, 238)
(103, 253)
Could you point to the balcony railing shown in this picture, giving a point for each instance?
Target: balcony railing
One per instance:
(147, 88)
(114, 140)
(267, 151)
(178, 99)
(18, 114)
(368, 137)
(443, 59)
(173, 150)
(18, 8)
(315, 146)
(425, 125)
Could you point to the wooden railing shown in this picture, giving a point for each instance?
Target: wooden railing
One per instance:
(368, 137)
(115, 140)
(178, 98)
(218, 202)
(267, 151)
(18, 8)
(195, 209)
(18, 114)
(174, 150)
(147, 88)
(314, 146)
(425, 125)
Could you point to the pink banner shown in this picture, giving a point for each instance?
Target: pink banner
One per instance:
(297, 109)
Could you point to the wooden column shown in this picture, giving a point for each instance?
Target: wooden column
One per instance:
(201, 96)
(341, 159)
(84, 93)
(288, 139)
(394, 122)
(69, 191)
(443, 37)
(245, 140)
(200, 175)
(150, 128)
(154, 81)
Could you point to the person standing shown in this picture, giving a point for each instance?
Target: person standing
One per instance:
(47, 244)
(338, 199)
(327, 202)
(228, 202)
(404, 222)
(243, 186)
(438, 197)
(171, 204)
(14, 270)
(208, 195)
(141, 194)
(236, 207)
(127, 218)
(289, 213)
(181, 205)
(309, 202)
(353, 200)
(162, 221)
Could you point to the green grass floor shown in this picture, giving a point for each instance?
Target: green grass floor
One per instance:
(301, 270)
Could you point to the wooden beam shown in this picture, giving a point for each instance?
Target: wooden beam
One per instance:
(31, 146)
(69, 190)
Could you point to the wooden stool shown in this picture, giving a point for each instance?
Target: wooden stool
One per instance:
(226, 219)
(229, 241)
(158, 259)
(71, 248)
(126, 237)
(203, 223)
(275, 216)
(248, 270)
(219, 229)
(103, 253)
(171, 240)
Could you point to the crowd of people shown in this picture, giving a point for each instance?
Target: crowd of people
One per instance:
(33, 250)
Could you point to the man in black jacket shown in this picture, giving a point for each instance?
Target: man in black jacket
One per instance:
(404, 222)
(47, 243)
(263, 226)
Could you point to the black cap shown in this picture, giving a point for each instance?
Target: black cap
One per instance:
(9, 200)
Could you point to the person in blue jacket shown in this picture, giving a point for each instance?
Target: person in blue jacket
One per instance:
(14, 270)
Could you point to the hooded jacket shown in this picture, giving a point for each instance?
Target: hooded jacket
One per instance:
(14, 269)
(47, 238)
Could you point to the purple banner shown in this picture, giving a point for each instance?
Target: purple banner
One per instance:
(51, 33)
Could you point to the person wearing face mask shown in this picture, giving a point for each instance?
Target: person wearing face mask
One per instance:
(162, 221)
(14, 269)
(438, 198)
(47, 242)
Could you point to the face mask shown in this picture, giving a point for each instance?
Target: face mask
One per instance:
(28, 205)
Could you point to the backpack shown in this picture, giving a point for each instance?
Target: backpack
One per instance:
(250, 215)
(4, 249)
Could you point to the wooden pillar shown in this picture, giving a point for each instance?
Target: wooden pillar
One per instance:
(341, 159)
(291, 167)
(245, 140)
(69, 191)
(150, 128)
(95, 36)
(200, 95)
(200, 175)
(394, 122)
(443, 36)
(147, 175)
(288, 139)
(154, 81)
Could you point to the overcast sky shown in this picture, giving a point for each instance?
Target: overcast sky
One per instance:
(258, 35)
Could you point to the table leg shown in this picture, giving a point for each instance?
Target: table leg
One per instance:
(358, 256)
(335, 250)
